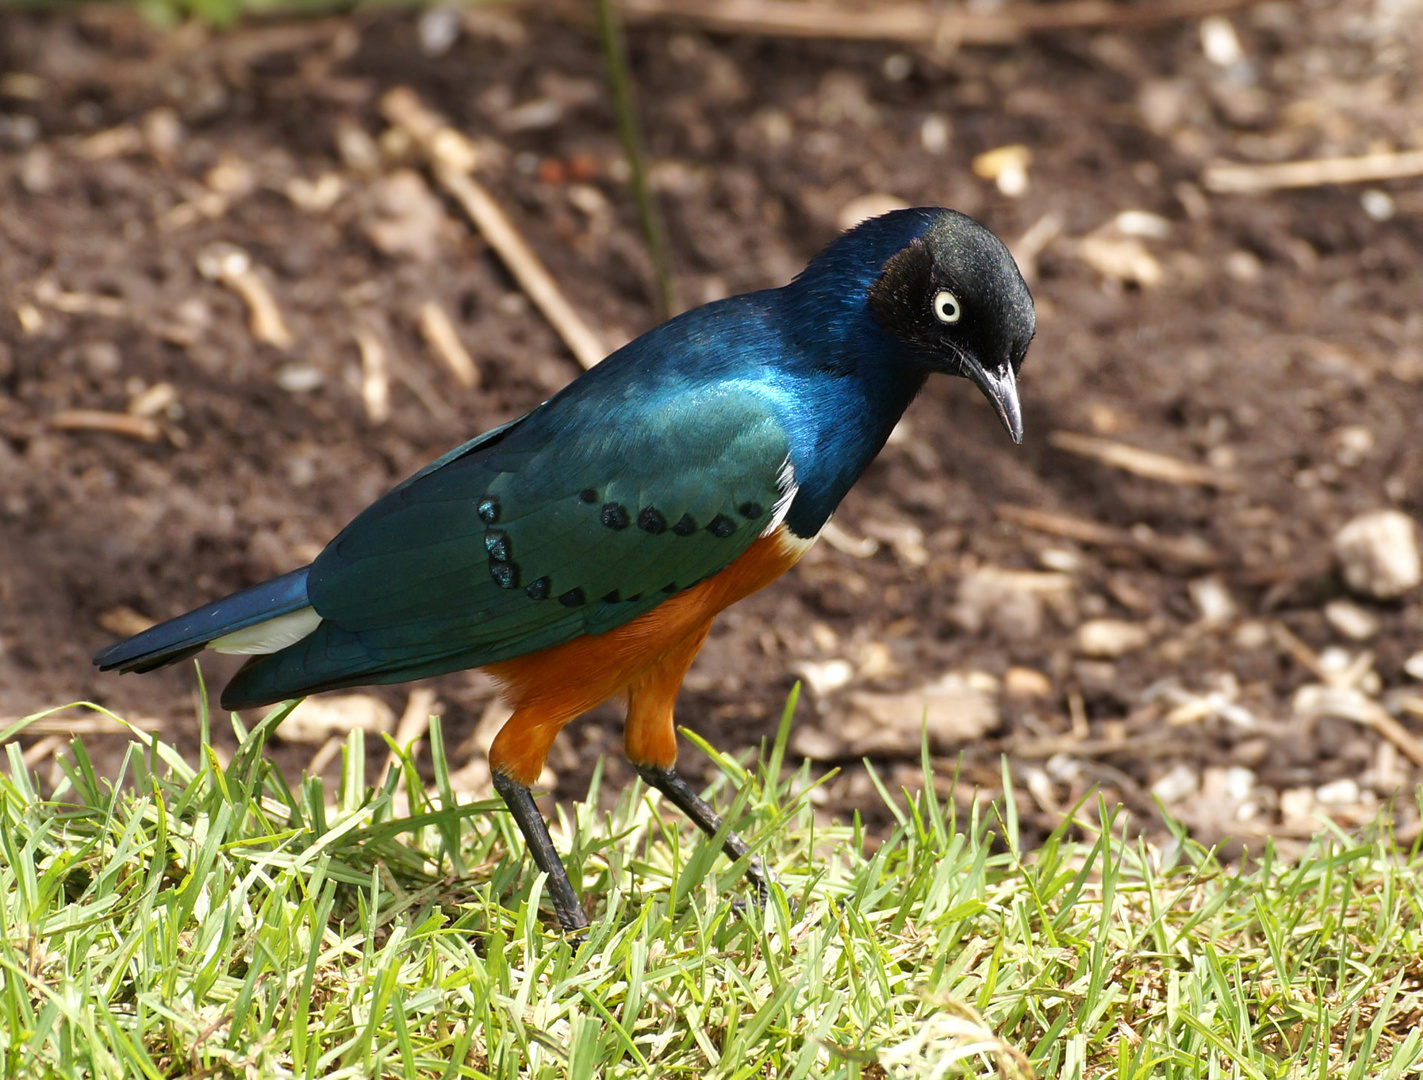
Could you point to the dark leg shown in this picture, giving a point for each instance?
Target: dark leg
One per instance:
(531, 823)
(695, 807)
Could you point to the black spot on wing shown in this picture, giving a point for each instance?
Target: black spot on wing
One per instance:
(489, 509)
(537, 589)
(751, 510)
(650, 520)
(685, 525)
(588, 495)
(505, 574)
(721, 526)
(613, 597)
(498, 546)
(614, 516)
(573, 598)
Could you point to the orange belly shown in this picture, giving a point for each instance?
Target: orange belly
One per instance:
(646, 659)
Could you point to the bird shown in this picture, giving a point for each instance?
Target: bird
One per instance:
(581, 552)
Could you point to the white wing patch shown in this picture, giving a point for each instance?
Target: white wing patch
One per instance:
(786, 485)
(269, 636)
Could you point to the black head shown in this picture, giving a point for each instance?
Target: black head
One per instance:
(954, 295)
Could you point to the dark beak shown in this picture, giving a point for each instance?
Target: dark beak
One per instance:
(1000, 387)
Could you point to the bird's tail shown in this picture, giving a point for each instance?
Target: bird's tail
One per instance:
(261, 619)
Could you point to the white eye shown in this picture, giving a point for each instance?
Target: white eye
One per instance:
(946, 307)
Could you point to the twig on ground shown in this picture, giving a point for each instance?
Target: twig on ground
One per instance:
(229, 265)
(1030, 245)
(144, 428)
(1186, 550)
(65, 726)
(75, 303)
(1234, 179)
(1143, 463)
(375, 375)
(440, 336)
(861, 547)
(451, 160)
(413, 724)
(41, 750)
(943, 27)
(325, 754)
(1139, 746)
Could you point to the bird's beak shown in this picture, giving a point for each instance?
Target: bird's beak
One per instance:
(1000, 387)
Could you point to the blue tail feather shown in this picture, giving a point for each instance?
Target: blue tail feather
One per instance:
(187, 634)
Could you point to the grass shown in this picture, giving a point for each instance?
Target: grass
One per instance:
(206, 919)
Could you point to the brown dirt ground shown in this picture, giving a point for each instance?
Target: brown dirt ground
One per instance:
(1282, 345)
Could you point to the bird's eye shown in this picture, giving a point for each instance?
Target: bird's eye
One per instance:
(946, 307)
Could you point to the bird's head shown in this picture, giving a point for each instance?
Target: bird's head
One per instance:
(953, 295)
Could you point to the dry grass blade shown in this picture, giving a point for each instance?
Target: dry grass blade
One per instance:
(142, 428)
(1143, 463)
(451, 160)
(1252, 179)
(916, 23)
(1188, 551)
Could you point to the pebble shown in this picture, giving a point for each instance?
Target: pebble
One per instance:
(1251, 635)
(1378, 554)
(1231, 784)
(950, 711)
(1343, 792)
(827, 676)
(1009, 601)
(1296, 804)
(1026, 682)
(1108, 639)
(1212, 599)
(1350, 620)
(299, 378)
(1180, 781)
(404, 219)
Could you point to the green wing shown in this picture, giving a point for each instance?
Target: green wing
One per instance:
(559, 525)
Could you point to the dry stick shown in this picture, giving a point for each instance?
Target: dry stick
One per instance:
(450, 161)
(917, 23)
(76, 303)
(414, 722)
(229, 265)
(1252, 179)
(375, 375)
(1143, 463)
(1379, 719)
(133, 427)
(440, 335)
(1186, 550)
(66, 726)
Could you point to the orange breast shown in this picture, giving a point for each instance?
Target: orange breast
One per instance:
(549, 688)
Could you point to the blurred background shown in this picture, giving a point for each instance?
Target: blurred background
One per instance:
(245, 288)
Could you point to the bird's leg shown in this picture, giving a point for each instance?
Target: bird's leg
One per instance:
(520, 801)
(666, 780)
(651, 744)
(516, 757)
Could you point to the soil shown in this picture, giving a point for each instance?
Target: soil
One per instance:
(1274, 341)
